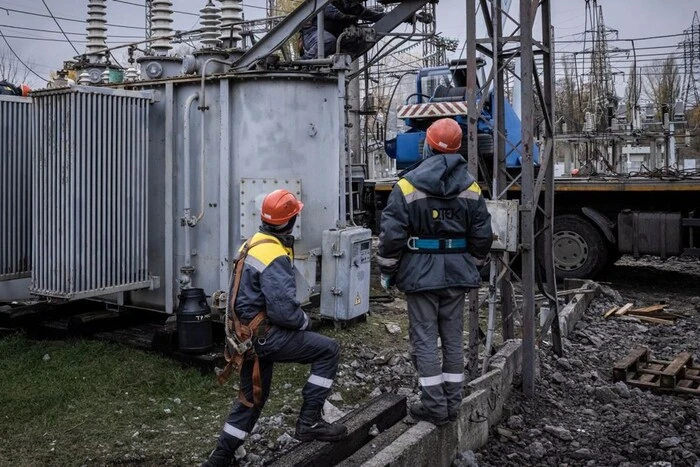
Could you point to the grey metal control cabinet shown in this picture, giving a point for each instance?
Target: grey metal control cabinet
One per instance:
(345, 273)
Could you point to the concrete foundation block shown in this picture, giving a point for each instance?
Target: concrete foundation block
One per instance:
(574, 310)
(496, 393)
(472, 426)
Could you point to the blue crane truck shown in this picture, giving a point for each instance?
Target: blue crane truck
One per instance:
(597, 218)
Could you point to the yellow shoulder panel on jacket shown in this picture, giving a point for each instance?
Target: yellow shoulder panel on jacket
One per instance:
(267, 252)
(406, 187)
(475, 188)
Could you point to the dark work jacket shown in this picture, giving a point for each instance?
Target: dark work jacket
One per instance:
(267, 283)
(437, 199)
(341, 14)
(9, 89)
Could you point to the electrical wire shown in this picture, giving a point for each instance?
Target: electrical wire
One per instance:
(24, 28)
(19, 59)
(59, 26)
(62, 18)
(645, 38)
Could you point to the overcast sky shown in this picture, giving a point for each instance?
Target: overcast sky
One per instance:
(632, 18)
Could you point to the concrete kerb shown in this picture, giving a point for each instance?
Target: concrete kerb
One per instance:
(425, 444)
(574, 310)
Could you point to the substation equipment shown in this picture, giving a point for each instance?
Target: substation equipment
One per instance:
(128, 193)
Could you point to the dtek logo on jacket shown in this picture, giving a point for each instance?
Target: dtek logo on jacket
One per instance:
(449, 214)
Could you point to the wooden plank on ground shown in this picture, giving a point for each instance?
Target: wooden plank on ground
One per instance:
(654, 320)
(629, 363)
(674, 372)
(383, 411)
(655, 314)
(624, 309)
(649, 309)
(610, 312)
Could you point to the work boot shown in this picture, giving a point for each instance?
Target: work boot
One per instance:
(312, 427)
(219, 458)
(419, 412)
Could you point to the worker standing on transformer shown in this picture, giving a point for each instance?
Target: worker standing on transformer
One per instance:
(337, 16)
(10, 89)
(435, 233)
(263, 295)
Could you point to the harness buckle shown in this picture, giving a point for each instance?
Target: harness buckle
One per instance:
(411, 243)
(240, 347)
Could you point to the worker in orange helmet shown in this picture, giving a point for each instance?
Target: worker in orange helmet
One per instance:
(435, 234)
(264, 299)
(10, 89)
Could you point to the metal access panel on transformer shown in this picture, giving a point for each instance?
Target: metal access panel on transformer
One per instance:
(345, 273)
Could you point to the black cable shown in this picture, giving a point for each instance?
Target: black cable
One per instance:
(645, 38)
(59, 26)
(19, 59)
(24, 28)
(22, 12)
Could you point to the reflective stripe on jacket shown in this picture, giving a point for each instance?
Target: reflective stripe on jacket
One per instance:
(268, 284)
(438, 199)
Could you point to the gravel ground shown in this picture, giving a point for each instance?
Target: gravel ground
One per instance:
(578, 415)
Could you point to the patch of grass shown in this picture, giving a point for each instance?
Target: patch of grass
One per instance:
(91, 403)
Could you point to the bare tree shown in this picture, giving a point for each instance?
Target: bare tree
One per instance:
(663, 84)
(633, 91)
(11, 70)
(568, 102)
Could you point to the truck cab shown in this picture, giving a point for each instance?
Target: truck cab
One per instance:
(442, 92)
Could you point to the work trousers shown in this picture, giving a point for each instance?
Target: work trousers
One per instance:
(282, 345)
(310, 42)
(431, 314)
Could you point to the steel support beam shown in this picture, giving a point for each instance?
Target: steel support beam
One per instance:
(499, 158)
(473, 166)
(548, 100)
(527, 198)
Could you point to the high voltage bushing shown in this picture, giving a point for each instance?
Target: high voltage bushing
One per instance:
(161, 26)
(231, 17)
(210, 20)
(96, 30)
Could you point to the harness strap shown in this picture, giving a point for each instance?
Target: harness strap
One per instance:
(239, 346)
(436, 245)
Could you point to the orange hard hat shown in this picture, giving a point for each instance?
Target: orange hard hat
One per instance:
(444, 135)
(279, 207)
(25, 90)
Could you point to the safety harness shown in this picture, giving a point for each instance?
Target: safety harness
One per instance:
(239, 337)
(436, 245)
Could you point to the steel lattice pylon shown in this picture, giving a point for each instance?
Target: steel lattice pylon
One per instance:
(536, 186)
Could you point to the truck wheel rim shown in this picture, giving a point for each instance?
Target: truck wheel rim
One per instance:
(570, 250)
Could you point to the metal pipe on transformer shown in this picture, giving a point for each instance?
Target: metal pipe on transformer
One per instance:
(185, 279)
(342, 155)
(320, 33)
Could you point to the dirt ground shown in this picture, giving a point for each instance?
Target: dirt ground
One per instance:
(578, 415)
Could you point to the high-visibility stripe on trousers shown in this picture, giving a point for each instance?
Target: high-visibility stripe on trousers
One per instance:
(282, 345)
(433, 314)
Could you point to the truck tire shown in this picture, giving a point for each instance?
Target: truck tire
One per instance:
(580, 251)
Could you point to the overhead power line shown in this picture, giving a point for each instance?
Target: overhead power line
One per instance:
(24, 28)
(74, 20)
(631, 39)
(189, 13)
(59, 26)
